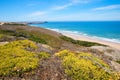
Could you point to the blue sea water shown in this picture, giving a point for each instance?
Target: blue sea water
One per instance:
(107, 30)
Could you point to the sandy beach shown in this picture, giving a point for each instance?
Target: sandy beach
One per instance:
(90, 39)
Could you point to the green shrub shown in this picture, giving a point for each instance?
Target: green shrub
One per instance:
(1, 35)
(37, 39)
(22, 33)
(7, 32)
(36, 36)
(84, 66)
(82, 43)
(49, 40)
(43, 55)
(15, 24)
(118, 62)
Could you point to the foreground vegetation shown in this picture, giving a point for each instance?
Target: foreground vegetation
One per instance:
(84, 66)
(28, 53)
(18, 57)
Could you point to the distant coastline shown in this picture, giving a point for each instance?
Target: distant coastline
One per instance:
(76, 36)
(24, 23)
(81, 36)
(85, 35)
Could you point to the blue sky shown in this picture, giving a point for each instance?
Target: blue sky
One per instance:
(59, 10)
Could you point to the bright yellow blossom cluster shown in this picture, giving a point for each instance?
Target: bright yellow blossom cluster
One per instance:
(84, 66)
(15, 59)
(43, 55)
(1, 35)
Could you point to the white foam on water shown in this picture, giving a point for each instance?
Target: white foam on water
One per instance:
(86, 35)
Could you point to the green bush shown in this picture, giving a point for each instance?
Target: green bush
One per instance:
(118, 62)
(22, 33)
(43, 55)
(36, 36)
(37, 39)
(1, 35)
(7, 32)
(82, 43)
(16, 24)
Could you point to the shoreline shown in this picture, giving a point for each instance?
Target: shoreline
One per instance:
(85, 35)
(75, 36)
(90, 39)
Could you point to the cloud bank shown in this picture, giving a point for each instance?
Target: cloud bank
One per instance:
(110, 7)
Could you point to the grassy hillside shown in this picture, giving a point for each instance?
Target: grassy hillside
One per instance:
(40, 35)
(34, 36)
(33, 53)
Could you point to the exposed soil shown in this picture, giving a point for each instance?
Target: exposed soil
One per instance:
(51, 69)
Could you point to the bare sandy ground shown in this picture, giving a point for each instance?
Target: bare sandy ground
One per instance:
(90, 39)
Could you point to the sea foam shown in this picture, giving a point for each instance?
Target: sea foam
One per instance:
(85, 35)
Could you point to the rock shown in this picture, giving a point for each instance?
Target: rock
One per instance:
(108, 51)
(3, 43)
(44, 48)
(116, 66)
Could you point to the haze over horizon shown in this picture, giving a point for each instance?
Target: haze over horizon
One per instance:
(57, 10)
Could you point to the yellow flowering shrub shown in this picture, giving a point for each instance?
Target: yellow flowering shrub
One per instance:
(1, 35)
(22, 44)
(84, 66)
(43, 55)
(116, 75)
(15, 59)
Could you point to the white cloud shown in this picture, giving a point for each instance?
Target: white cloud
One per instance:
(80, 1)
(89, 16)
(61, 7)
(38, 13)
(71, 3)
(107, 7)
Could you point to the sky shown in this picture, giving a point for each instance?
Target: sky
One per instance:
(59, 10)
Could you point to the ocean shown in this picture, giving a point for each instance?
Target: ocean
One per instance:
(105, 30)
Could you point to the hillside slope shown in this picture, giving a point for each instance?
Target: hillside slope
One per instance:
(32, 53)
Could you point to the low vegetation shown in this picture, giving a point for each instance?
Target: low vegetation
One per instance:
(18, 57)
(34, 36)
(15, 24)
(1, 35)
(84, 66)
(118, 62)
(81, 43)
(24, 34)
(28, 53)
(43, 55)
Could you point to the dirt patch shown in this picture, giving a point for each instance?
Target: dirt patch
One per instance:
(51, 69)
